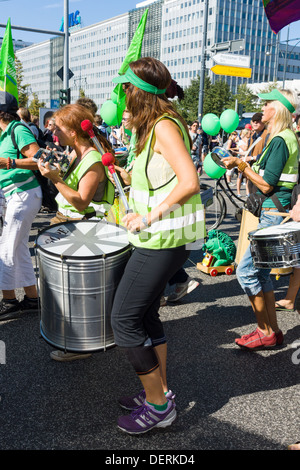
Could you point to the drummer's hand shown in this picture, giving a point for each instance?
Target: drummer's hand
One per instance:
(124, 175)
(133, 222)
(295, 212)
(48, 172)
(230, 162)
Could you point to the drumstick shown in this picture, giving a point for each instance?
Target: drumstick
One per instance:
(108, 160)
(87, 126)
(282, 214)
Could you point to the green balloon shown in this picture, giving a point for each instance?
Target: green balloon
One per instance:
(211, 124)
(111, 113)
(229, 120)
(108, 112)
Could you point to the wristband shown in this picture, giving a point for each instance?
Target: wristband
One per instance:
(8, 164)
(13, 164)
(145, 222)
(242, 166)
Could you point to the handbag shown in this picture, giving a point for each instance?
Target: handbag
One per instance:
(255, 201)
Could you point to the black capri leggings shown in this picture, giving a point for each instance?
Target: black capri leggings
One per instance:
(135, 317)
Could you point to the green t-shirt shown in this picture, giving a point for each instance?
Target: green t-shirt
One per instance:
(273, 163)
(16, 180)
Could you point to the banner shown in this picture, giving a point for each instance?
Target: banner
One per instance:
(8, 76)
(281, 13)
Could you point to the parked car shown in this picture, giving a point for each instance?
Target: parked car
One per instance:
(246, 119)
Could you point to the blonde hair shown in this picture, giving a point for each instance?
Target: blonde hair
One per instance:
(283, 117)
(245, 132)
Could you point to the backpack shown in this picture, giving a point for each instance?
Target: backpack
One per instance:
(41, 139)
(49, 191)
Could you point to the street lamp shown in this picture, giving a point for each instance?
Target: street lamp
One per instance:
(203, 60)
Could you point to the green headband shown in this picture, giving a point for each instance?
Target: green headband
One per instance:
(130, 77)
(275, 95)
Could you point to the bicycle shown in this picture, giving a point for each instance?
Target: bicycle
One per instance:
(215, 203)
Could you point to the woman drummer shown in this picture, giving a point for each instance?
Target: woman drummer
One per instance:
(275, 174)
(167, 215)
(85, 185)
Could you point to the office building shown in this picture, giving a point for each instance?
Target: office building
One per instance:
(174, 35)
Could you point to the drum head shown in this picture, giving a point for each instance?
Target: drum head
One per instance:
(83, 239)
(274, 231)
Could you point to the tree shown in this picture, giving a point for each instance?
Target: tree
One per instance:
(246, 98)
(22, 89)
(188, 106)
(35, 105)
(217, 98)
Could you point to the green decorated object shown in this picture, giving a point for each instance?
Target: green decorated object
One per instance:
(221, 247)
(212, 165)
(211, 124)
(229, 120)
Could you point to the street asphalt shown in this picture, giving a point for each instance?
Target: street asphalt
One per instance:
(226, 398)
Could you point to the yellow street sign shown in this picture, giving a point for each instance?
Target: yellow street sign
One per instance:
(232, 71)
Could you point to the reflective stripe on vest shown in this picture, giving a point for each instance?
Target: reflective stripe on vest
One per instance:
(183, 224)
(289, 175)
(290, 178)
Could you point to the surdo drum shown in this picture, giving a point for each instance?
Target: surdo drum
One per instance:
(80, 266)
(277, 246)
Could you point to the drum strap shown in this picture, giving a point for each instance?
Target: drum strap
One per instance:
(255, 201)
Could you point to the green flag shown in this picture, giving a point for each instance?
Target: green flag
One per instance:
(8, 76)
(133, 53)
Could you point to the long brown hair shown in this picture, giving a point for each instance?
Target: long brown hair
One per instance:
(144, 107)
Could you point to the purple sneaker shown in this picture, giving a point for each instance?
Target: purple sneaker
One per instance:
(134, 402)
(147, 417)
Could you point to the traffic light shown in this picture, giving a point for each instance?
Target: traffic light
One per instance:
(64, 97)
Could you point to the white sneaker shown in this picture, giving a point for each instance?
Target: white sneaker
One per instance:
(182, 289)
(62, 356)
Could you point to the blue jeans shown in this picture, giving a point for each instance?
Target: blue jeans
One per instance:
(254, 280)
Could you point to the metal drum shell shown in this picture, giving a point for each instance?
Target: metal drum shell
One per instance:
(280, 250)
(76, 298)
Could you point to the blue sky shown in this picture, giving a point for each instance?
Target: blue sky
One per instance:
(47, 14)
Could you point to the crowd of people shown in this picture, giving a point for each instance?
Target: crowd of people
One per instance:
(166, 212)
(202, 144)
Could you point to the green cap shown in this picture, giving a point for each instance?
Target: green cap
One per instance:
(275, 95)
(130, 77)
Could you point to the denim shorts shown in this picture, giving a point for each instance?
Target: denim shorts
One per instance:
(254, 280)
